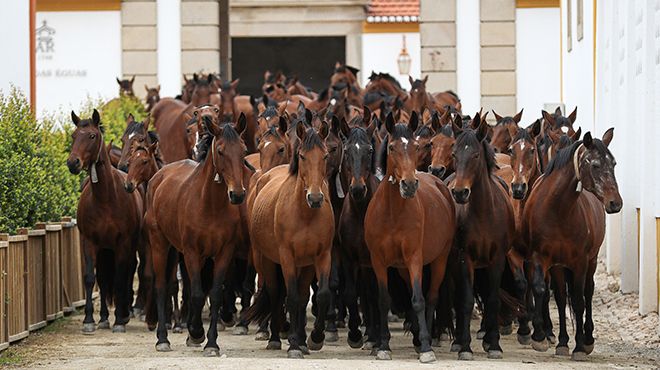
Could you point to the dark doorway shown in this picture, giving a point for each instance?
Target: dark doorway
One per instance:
(312, 59)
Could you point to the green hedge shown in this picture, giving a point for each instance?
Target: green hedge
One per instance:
(114, 114)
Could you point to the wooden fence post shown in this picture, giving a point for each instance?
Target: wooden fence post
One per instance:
(4, 245)
(36, 293)
(72, 277)
(17, 322)
(52, 270)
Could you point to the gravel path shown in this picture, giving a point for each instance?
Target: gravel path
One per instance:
(624, 339)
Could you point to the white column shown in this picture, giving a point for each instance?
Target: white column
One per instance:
(354, 53)
(15, 63)
(468, 60)
(169, 47)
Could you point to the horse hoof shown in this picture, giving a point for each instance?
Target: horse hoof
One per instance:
(506, 329)
(427, 357)
(274, 346)
(284, 335)
(541, 346)
(240, 330)
(579, 356)
(220, 326)
(177, 329)
(436, 342)
(495, 354)
(485, 345)
(304, 349)
(315, 346)
(119, 328)
(562, 351)
(552, 339)
(211, 352)
(444, 337)
(228, 324)
(524, 339)
(353, 344)
(89, 328)
(418, 349)
(368, 346)
(192, 342)
(137, 312)
(588, 348)
(168, 326)
(331, 336)
(455, 347)
(104, 325)
(163, 347)
(465, 356)
(262, 335)
(294, 353)
(481, 334)
(383, 355)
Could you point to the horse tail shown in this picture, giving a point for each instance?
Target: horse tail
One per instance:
(105, 273)
(444, 311)
(261, 309)
(516, 307)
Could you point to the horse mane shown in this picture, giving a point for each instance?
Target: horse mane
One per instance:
(312, 139)
(134, 128)
(417, 84)
(391, 79)
(447, 131)
(226, 85)
(424, 131)
(373, 96)
(322, 95)
(229, 134)
(272, 131)
(505, 120)
(469, 138)
(88, 122)
(401, 130)
(452, 93)
(522, 134)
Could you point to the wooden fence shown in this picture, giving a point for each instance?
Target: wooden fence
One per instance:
(41, 278)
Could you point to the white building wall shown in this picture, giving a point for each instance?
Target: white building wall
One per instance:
(537, 60)
(169, 47)
(468, 55)
(15, 46)
(85, 60)
(381, 50)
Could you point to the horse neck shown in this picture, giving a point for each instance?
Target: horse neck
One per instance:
(104, 189)
(213, 193)
(197, 100)
(562, 189)
(482, 192)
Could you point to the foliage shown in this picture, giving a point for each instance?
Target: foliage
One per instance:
(114, 114)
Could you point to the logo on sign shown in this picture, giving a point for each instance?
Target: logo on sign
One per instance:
(45, 40)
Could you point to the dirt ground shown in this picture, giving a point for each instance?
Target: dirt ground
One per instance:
(624, 339)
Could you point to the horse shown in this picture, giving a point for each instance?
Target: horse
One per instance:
(110, 234)
(295, 87)
(137, 133)
(153, 96)
(442, 145)
(232, 105)
(409, 223)
(126, 87)
(192, 206)
(273, 86)
(557, 122)
(486, 229)
(115, 154)
(382, 86)
(505, 129)
(358, 168)
(423, 135)
(291, 229)
(577, 188)
(345, 76)
(187, 89)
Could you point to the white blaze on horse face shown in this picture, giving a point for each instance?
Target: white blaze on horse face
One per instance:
(564, 129)
(333, 101)
(522, 145)
(266, 143)
(357, 146)
(130, 136)
(405, 142)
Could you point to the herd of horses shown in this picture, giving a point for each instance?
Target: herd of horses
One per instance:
(384, 201)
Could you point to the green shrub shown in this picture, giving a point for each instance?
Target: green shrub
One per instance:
(114, 114)
(35, 184)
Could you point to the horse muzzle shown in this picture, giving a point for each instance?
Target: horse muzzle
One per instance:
(74, 165)
(315, 200)
(614, 206)
(461, 196)
(129, 187)
(408, 188)
(236, 197)
(358, 192)
(518, 190)
(438, 172)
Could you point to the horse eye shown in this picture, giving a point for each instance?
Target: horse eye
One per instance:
(140, 139)
(144, 161)
(220, 152)
(371, 150)
(302, 157)
(195, 113)
(280, 150)
(217, 110)
(92, 136)
(428, 145)
(390, 147)
(332, 150)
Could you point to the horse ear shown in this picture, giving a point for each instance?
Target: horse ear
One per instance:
(324, 130)
(573, 116)
(301, 131)
(588, 140)
(132, 80)
(130, 119)
(75, 119)
(344, 127)
(96, 118)
(309, 116)
(264, 99)
(337, 64)
(301, 109)
(209, 78)
(435, 121)
(548, 118)
(410, 80)
(366, 116)
(414, 121)
(576, 135)
(482, 130)
(457, 125)
(426, 78)
(389, 123)
(334, 125)
(282, 126)
(195, 77)
(234, 84)
(535, 129)
(608, 136)
(118, 81)
(281, 108)
(185, 79)
(497, 116)
(476, 121)
(266, 75)
(558, 111)
(241, 124)
(518, 116)
(146, 87)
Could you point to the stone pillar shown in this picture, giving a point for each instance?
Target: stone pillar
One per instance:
(139, 43)
(437, 29)
(200, 36)
(498, 56)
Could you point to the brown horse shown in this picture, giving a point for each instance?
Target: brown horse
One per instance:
(295, 87)
(191, 207)
(153, 96)
(114, 152)
(485, 232)
(292, 225)
(126, 87)
(136, 133)
(274, 87)
(557, 122)
(409, 223)
(232, 105)
(344, 77)
(110, 234)
(187, 89)
(442, 146)
(504, 131)
(576, 189)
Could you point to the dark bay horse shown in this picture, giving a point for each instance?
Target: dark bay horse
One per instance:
(577, 188)
(192, 207)
(110, 234)
(345, 77)
(409, 223)
(153, 96)
(442, 146)
(504, 131)
(486, 228)
(233, 104)
(126, 86)
(291, 229)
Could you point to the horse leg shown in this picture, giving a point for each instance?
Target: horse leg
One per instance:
(539, 342)
(123, 265)
(219, 269)
(525, 295)
(384, 351)
(185, 291)
(466, 305)
(588, 296)
(305, 278)
(560, 298)
(491, 342)
(90, 261)
(577, 301)
(159, 252)
(349, 293)
(368, 299)
(324, 299)
(292, 303)
(437, 275)
(547, 320)
(196, 302)
(103, 276)
(333, 282)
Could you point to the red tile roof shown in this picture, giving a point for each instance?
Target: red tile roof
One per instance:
(384, 10)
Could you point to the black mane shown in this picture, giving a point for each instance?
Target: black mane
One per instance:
(312, 139)
(522, 134)
(469, 138)
(229, 134)
(424, 131)
(359, 135)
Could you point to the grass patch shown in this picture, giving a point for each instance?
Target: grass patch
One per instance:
(11, 357)
(55, 326)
